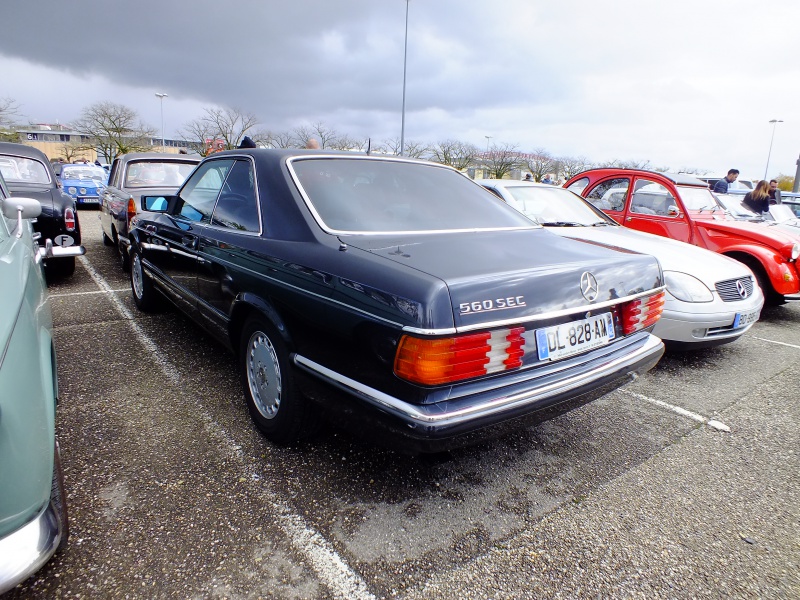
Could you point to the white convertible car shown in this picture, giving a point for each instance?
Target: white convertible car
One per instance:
(711, 299)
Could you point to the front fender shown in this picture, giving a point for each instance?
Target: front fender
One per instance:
(782, 274)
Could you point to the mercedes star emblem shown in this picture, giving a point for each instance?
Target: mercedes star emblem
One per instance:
(589, 287)
(742, 290)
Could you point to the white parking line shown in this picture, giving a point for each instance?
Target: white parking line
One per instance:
(714, 424)
(776, 342)
(68, 294)
(326, 562)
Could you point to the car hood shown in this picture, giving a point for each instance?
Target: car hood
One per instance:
(709, 267)
(82, 182)
(774, 237)
(509, 275)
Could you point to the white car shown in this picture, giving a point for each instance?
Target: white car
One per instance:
(711, 299)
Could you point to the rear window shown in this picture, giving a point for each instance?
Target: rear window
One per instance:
(157, 174)
(385, 196)
(17, 169)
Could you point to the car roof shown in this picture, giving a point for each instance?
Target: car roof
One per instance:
(161, 156)
(676, 178)
(22, 150)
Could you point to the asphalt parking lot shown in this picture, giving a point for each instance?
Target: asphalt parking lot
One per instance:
(683, 484)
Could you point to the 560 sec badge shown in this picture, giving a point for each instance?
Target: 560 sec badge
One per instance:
(490, 305)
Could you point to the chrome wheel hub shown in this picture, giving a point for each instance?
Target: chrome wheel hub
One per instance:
(263, 375)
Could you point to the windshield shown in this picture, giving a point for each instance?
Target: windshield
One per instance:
(736, 208)
(696, 198)
(83, 172)
(362, 195)
(16, 169)
(554, 206)
(157, 173)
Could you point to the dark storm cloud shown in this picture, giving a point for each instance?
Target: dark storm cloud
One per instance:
(284, 61)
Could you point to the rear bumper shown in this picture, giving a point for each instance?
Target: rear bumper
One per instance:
(511, 396)
(25, 551)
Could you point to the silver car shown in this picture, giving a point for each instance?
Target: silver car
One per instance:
(132, 176)
(711, 299)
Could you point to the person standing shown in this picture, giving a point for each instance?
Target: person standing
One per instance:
(548, 179)
(774, 192)
(721, 187)
(757, 200)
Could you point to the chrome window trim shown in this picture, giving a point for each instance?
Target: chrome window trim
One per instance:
(321, 222)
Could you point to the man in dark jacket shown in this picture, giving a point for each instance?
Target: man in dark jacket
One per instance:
(721, 187)
(774, 192)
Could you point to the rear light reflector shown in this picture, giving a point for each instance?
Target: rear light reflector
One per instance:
(131, 211)
(444, 360)
(69, 219)
(642, 312)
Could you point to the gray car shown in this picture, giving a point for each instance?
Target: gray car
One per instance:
(132, 176)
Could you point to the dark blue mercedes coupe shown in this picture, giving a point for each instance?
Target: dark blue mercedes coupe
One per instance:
(396, 296)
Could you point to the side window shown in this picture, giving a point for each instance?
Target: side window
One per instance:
(237, 207)
(651, 198)
(201, 190)
(609, 194)
(579, 185)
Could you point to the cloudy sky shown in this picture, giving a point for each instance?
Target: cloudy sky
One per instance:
(681, 84)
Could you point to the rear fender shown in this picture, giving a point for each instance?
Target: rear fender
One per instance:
(248, 304)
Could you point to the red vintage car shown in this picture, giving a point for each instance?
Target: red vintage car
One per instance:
(682, 207)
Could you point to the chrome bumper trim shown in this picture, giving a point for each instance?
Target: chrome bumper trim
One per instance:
(25, 551)
(418, 415)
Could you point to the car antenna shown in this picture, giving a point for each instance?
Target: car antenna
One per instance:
(369, 145)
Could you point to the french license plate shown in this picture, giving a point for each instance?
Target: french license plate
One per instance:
(89, 200)
(744, 319)
(571, 338)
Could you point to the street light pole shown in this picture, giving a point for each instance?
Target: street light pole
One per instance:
(774, 124)
(403, 113)
(161, 98)
(488, 137)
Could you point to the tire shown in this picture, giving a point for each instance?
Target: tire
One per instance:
(143, 291)
(60, 267)
(279, 411)
(124, 257)
(59, 499)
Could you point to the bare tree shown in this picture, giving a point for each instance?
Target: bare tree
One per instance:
(281, 139)
(412, 149)
(458, 155)
(9, 111)
(69, 151)
(625, 164)
(114, 129)
(571, 165)
(500, 160)
(539, 163)
(197, 134)
(229, 124)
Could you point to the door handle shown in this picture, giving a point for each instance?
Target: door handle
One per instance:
(189, 241)
(628, 218)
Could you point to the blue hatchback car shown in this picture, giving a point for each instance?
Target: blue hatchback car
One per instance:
(84, 182)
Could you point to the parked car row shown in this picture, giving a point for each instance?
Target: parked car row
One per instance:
(395, 296)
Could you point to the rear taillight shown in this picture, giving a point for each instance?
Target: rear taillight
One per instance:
(69, 219)
(444, 360)
(642, 312)
(131, 211)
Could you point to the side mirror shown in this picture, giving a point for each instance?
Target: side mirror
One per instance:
(21, 208)
(672, 211)
(155, 203)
